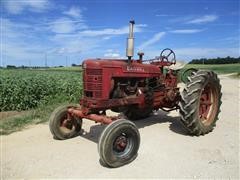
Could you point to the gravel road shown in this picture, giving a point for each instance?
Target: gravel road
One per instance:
(166, 151)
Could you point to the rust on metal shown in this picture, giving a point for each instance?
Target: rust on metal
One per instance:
(94, 117)
(208, 105)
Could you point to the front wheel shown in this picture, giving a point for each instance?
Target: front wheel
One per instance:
(200, 102)
(119, 143)
(63, 126)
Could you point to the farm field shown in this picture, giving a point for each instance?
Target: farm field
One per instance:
(26, 89)
(38, 92)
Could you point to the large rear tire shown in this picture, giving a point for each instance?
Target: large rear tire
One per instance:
(119, 143)
(200, 102)
(62, 126)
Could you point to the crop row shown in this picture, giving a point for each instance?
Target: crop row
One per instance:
(26, 89)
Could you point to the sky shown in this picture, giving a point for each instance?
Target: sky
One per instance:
(65, 32)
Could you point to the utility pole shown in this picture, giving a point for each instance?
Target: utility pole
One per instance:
(45, 59)
(1, 42)
(66, 61)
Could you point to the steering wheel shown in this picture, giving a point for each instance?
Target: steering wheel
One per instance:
(167, 55)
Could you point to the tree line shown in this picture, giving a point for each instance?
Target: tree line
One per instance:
(226, 60)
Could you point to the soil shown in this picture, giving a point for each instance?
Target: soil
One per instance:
(7, 114)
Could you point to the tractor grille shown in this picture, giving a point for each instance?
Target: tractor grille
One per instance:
(93, 83)
(93, 87)
(94, 72)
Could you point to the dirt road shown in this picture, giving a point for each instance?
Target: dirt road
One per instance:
(166, 151)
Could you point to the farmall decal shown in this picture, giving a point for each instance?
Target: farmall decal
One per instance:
(136, 69)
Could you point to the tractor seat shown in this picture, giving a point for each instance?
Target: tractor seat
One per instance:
(179, 65)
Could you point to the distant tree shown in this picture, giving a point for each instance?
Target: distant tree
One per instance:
(218, 60)
(11, 67)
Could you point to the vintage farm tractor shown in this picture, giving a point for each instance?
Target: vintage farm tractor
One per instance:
(136, 88)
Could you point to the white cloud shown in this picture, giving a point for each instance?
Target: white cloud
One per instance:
(66, 25)
(62, 25)
(164, 15)
(16, 7)
(20, 44)
(140, 25)
(74, 12)
(102, 32)
(112, 55)
(85, 42)
(203, 19)
(186, 31)
(151, 41)
(107, 37)
(111, 31)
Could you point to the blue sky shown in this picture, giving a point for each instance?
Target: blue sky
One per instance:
(69, 31)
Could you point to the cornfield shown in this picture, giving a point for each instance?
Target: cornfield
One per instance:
(26, 89)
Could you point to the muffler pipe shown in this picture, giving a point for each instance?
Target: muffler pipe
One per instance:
(130, 42)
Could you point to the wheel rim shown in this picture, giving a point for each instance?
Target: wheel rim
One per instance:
(67, 124)
(122, 145)
(208, 104)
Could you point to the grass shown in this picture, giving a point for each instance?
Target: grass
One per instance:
(236, 75)
(218, 68)
(75, 68)
(39, 115)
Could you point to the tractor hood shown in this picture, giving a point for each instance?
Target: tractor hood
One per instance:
(113, 64)
(100, 63)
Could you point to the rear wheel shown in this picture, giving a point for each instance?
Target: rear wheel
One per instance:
(200, 102)
(119, 143)
(63, 126)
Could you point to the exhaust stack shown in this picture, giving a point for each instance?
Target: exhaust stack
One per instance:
(130, 41)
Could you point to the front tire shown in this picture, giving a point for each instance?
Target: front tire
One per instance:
(119, 143)
(62, 126)
(200, 102)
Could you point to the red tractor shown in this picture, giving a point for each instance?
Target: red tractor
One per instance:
(136, 88)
